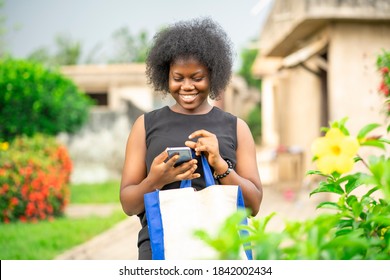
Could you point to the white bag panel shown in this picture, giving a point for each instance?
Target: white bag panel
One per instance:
(184, 210)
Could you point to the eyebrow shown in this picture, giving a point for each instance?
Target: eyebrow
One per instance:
(193, 74)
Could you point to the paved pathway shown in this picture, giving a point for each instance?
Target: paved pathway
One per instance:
(119, 242)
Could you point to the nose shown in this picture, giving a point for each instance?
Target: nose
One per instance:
(187, 85)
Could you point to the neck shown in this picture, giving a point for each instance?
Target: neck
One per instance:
(200, 110)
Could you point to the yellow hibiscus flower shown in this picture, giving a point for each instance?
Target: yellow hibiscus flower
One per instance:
(4, 146)
(335, 151)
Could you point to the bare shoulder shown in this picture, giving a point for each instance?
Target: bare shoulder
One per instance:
(139, 122)
(243, 130)
(138, 128)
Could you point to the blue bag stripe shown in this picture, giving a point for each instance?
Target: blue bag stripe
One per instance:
(185, 184)
(241, 205)
(208, 175)
(155, 227)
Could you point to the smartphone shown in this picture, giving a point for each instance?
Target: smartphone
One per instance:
(184, 153)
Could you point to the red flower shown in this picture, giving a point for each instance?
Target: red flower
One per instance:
(5, 188)
(384, 70)
(30, 209)
(14, 201)
(384, 88)
(36, 188)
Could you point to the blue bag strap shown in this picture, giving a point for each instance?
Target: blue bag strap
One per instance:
(185, 184)
(208, 175)
(241, 205)
(155, 228)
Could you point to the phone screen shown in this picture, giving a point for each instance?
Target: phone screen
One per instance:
(184, 153)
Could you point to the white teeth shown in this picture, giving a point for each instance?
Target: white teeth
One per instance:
(188, 97)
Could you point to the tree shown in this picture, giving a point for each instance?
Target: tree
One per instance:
(126, 48)
(248, 56)
(130, 48)
(68, 52)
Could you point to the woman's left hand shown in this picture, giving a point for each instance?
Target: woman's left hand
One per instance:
(207, 143)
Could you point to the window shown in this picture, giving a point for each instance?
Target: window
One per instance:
(100, 98)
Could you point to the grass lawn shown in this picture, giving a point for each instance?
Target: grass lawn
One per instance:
(47, 239)
(95, 193)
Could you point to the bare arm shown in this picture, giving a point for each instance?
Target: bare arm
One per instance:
(135, 180)
(247, 168)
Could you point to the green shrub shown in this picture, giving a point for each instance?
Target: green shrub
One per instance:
(359, 227)
(36, 100)
(34, 173)
(254, 123)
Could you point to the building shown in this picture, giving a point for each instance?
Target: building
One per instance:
(317, 64)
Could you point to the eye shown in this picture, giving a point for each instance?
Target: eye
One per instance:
(177, 79)
(198, 79)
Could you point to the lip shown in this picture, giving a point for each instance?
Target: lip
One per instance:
(188, 97)
(188, 93)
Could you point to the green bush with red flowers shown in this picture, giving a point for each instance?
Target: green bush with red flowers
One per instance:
(383, 65)
(34, 176)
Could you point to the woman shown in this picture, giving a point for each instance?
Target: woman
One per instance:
(192, 61)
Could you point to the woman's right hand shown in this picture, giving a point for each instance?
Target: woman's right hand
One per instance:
(164, 171)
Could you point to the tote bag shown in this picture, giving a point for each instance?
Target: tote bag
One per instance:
(174, 215)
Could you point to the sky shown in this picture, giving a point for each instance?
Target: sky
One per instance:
(31, 24)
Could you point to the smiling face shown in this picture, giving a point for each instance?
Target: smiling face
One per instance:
(189, 85)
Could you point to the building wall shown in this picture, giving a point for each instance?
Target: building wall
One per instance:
(291, 113)
(353, 77)
(340, 40)
(293, 106)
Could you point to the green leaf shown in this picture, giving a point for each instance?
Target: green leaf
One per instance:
(324, 129)
(353, 183)
(328, 187)
(357, 208)
(314, 172)
(383, 221)
(345, 179)
(374, 143)
(365, 130)
(343, 223)
(351, 200)
(343, 231)
(384, 140)
(371, 191)
(356, 159)
(317, 172)
(341, 125)
(328, 205)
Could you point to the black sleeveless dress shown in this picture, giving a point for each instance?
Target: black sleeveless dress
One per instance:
(165, 128)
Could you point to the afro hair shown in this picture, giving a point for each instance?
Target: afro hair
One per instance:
(200, 38)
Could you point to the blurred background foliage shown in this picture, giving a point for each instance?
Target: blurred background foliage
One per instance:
(34, 99)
